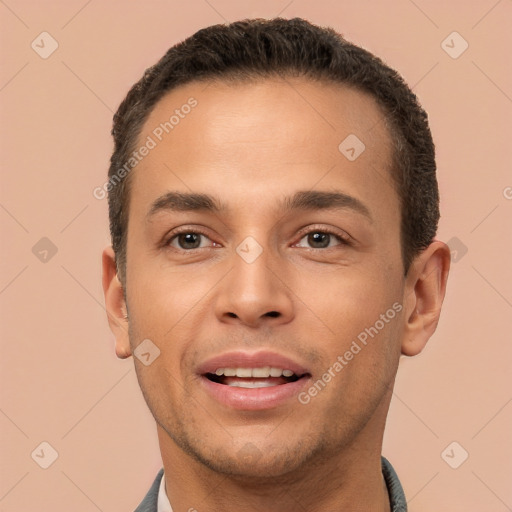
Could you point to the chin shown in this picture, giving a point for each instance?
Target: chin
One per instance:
(256, 460)
(256, 467)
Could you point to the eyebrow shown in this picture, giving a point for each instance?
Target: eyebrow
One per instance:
(183, 202)
(319, 200)
(302, 200)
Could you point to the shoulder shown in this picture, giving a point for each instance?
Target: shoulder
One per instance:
(150, 502)
(396, 493)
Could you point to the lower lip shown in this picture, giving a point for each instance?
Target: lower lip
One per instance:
(253, 399)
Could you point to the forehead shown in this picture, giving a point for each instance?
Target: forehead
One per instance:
(243, 140)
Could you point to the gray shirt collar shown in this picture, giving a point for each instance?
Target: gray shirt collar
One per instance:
(396, 493)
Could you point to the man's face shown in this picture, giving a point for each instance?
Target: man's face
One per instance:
(301, 258)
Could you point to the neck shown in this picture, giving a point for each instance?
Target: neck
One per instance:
(348, 480)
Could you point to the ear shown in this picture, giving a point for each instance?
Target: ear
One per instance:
(115, 304)
(425, 288)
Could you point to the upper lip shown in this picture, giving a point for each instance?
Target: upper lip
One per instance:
(259, 359)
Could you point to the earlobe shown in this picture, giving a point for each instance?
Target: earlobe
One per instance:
(115, 304)
(423, 296)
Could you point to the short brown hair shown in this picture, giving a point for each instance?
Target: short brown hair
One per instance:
(259, 48)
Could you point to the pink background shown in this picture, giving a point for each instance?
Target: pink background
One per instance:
(61, 381)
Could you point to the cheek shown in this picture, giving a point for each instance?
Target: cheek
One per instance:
(360, 353)
(357, 317)
(347, 300)
(171, 307)
(163, 300)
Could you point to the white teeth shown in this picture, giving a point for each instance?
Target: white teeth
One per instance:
(276, 372)
(251, 384)
(243, 372)
(261, 373)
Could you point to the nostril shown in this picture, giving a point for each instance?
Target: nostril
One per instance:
(232, 315)
(273, 314)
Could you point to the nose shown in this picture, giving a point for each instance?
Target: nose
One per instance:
(253, 294)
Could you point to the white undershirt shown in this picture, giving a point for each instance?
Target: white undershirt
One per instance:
(163, 501)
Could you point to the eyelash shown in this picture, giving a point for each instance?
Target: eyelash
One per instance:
(181, 231)
(344, 240)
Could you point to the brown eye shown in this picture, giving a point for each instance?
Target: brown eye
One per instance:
(320, 240)
(188, 240)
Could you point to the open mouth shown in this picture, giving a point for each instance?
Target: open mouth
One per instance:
(250, 378)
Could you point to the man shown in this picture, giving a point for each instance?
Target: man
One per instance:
(273, 206)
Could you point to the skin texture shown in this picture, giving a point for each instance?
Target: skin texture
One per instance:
(250, 145)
